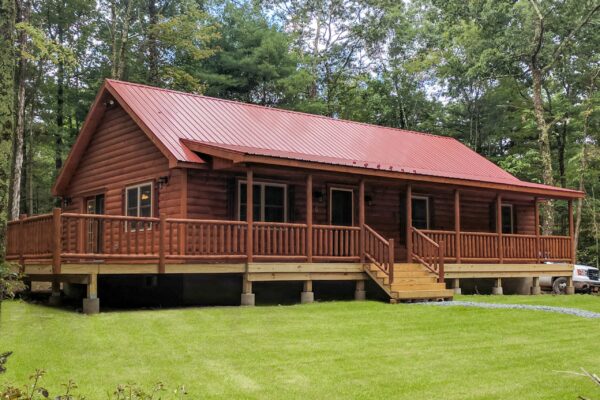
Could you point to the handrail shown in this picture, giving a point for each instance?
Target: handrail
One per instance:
(428, 253)
(379, 251)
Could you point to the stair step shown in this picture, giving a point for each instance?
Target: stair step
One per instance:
(422, 294)
(418, 286)
(414, 279)
(412, 274)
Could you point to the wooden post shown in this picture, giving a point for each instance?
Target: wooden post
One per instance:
(162, 237)
(499, 228)
(457, 223)
(409, 223)
(441, 256)
(21, 240)
(572, 234)
(361, 219)
(56, 240)
(391, 260)
(309, 218)
(538, 247)
(249, 216)
(92, 287)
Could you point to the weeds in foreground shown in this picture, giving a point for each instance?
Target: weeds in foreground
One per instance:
(35, 391)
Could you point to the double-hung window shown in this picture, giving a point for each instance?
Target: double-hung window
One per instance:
(420, 212)
(139, 202)
(268, 201)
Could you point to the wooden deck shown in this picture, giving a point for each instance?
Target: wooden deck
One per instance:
(79, 247)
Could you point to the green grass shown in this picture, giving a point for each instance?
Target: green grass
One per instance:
(334, 350)
(581, 301)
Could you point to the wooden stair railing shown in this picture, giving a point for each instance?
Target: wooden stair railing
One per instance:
(379, 251)
(428, 253)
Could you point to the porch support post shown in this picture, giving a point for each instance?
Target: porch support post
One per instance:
(538, 247)
(247, 298)
(572, 234)
(499, 228)
(535, 287)
(307, 295)
(456, 286)
(309, 218)
(570, 289)
(361, 219)
(91, 304)
(360, 293)
(54, 299)
(249, 216)
(457, 223)
(497, 289)
(409, 223)
(56, 240)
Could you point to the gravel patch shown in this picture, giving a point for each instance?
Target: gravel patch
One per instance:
(561, 310)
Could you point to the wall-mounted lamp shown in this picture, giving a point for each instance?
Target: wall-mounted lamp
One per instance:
(67, 201)
(162, 181)
(319, 196)
(369, 200)
(109, 103)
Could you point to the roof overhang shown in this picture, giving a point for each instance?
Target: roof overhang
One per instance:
(238, 157)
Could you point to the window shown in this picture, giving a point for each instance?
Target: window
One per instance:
(269, 201)
(420, 212)
(138, 203)
(341, 207)
(507, 219)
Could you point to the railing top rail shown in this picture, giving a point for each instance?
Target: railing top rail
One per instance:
(515, 235)
(113, 217)
(374, 233)
(29, 219)
(480, 233)
(425, 237)
(281, 224)
(438, 231)
(206, 221)
(349, 228)
(554, 237)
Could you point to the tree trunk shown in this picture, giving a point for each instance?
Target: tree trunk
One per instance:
(153, 72)
(544, 143)
(19, 136)
(122, 45)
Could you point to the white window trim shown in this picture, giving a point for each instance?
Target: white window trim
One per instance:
(339, 189)
(512, 218)
(127, 188)
(262, 185)
(427, 211)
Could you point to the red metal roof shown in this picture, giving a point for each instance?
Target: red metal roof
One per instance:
(174, 117)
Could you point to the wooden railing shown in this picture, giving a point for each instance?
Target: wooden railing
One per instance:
(519, 248)
(191, 239)
(336, 242)
(279, 240)
(447, 237)
(556, 248)
(379, 251)
(428, 253)
(30, 238)
(476, 246)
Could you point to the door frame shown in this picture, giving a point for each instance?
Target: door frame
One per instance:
(330, 201)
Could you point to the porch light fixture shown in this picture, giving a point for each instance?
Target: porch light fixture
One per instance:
(319, 196)
(162, 181)
(67, 201)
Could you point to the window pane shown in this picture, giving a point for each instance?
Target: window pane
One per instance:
(132, 206)
(507, 220)
(146, 197)
(256, 200)
(419, 213)
(274, 214)
(274, 196)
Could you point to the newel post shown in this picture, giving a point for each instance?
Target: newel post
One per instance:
(538, 247)
(56, 239)
(441, 255)
(21, 240)
(457, 224)
(499, 228)
(162, 234)
(391, 260)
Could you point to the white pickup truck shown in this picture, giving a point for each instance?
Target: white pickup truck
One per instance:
(585, 279)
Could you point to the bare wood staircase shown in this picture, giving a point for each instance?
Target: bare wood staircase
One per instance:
(422, 280)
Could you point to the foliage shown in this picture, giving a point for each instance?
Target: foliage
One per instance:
(11, 281)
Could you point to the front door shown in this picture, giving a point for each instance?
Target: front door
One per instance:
(94, 205)
(341, 206)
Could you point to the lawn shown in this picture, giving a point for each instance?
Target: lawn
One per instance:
(582, 301)
(333, 350)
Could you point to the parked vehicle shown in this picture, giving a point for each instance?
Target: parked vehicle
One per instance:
(586, 279)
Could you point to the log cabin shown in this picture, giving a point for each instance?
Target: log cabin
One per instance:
(164, 182)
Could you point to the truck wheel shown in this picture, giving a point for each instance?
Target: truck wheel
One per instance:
(559, 286)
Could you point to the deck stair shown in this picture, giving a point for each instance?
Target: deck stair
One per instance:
(411, 282)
